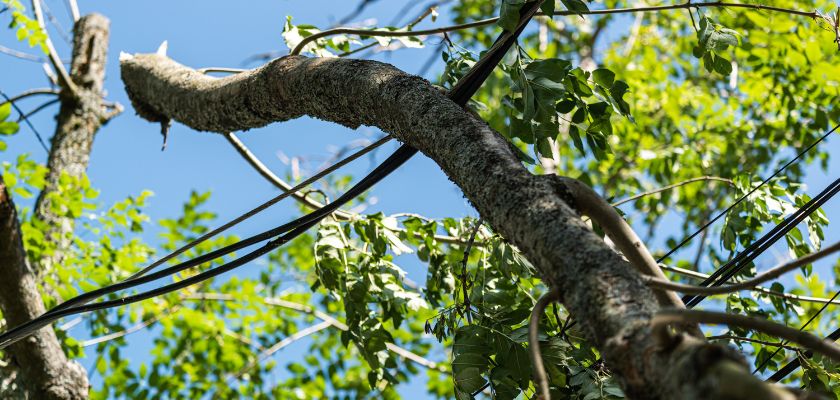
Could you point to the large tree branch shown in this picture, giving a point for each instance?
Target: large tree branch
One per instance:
(539, 214)
(41, 368)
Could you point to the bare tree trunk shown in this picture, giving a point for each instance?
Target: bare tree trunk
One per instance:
(37, 367)
(80, 117)
(536, 213)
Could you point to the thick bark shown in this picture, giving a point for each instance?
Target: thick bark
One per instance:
(38, 368)
(536, 213)
(80, 117)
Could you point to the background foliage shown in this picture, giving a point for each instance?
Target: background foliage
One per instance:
(680, 94)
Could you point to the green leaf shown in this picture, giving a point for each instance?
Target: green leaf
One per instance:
(469, 380)
(8, 128)
(577, 6)
(509, 14)
(723, 66)
(547, 7)
(5, 111)
(603, 77)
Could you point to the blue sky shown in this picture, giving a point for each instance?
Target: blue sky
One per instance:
(127, 158)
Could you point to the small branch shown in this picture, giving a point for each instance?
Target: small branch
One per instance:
(751, 340)
(341, 215)
(64, 77)
(465, 286)
(663, 318)
(489, 21)
(407, 354)
(20, 54)
(789, 296)
(595, 207)
(768, 275)
(534, 341)
(134, 328)
(280, 345)
(672, 186)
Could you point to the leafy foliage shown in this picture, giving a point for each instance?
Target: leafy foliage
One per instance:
(660, 103)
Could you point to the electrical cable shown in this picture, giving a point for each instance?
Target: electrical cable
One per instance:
(744, 197)
(460, 94)
(744, 258)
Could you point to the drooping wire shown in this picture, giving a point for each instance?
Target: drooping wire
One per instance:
(460, 94)
(292, 229)
(744, 197)
(746, 257)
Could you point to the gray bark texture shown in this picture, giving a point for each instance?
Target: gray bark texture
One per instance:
(80, 117)
(36, 366)
(539, 214)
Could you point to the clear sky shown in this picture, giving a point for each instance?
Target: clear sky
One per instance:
(127, 158)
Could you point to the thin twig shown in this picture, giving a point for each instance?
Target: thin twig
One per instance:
(265, 172)
(663, 318)
(134, 328)
(261, 207)
(64, 77)
(20, 54)
(768, 275)
(672, 186)
(272, 301)
(534, 340)
(751, 340)
(382, 33)
(789, 296)
(280, 345)
(465, 285)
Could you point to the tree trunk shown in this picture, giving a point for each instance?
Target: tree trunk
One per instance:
(38, 368)
(536, 213)
(80, 117)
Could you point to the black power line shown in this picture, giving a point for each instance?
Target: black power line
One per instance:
(460, 94)
(746, 257)
(744, 197)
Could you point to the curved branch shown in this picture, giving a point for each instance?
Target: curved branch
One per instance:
(663, 318)
(400, 351)
(672, 186)
(768, 275)
(63, 76)
(20, 54)
(537, 214)
(589, 203)
(534, 341)
(489, 21)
